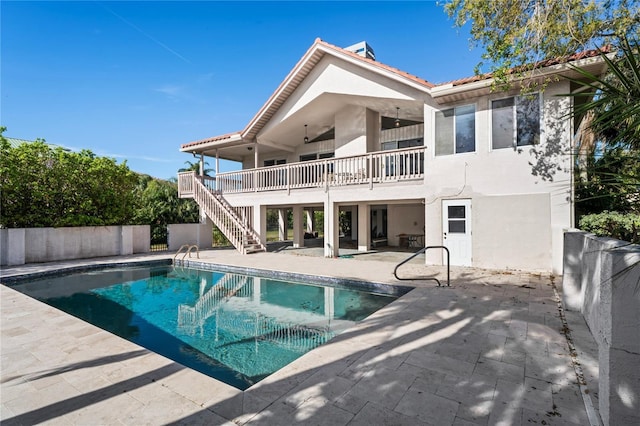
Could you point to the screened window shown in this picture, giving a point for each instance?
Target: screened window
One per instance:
(456, 130)
(312, 157)
(407, 163)
(515, 121)
(402, 144)
(269, 163)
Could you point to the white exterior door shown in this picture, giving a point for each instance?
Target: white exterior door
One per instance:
(456, 231)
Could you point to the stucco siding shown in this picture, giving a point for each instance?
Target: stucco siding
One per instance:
(512, 232)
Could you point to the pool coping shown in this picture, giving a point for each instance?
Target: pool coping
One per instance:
(334, 282)
(17, 278)
(376, 287)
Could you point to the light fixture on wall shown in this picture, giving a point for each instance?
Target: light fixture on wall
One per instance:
(397, 122)
(306, 138)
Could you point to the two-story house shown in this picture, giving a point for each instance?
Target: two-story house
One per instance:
(486, 173)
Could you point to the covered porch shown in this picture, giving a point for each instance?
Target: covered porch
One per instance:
(338, 229)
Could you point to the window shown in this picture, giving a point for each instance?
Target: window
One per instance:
(269, 163)
(402, 144)
(456, 130)
(408, 163)
(312, 157)
(515, 121)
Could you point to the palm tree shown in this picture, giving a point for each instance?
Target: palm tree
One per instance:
(607, 167)
(195, 167)
(611, 102)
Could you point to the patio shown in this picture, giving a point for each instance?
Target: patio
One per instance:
(488, 350)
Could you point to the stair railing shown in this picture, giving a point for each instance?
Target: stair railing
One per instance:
(424, 278)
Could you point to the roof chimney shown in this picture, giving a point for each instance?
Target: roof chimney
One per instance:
(363, 49)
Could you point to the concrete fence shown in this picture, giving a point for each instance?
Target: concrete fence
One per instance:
(190, 233)
(35, 245)
(601, 280)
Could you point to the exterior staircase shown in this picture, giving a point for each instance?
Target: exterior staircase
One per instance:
(243, 237)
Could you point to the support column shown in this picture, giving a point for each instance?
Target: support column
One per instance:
(255, 156)
(310, 220)
(260, 221)
(298, 227)
(364, 227)
(217, 170)
(433, 233)
(255, 166)
(354, 223)
(282, 224)
(331, 227)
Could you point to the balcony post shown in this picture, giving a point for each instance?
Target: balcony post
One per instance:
(255, 167)
(370, 171)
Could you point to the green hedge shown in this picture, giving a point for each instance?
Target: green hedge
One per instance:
(623, 226)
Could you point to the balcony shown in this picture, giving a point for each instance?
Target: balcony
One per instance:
(366, 169)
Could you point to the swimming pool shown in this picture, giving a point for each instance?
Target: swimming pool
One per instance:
(235, 327)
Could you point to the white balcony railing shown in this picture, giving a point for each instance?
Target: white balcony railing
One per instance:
(378, 167)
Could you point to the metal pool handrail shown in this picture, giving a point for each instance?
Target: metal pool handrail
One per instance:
(422, 250)
(188, 252)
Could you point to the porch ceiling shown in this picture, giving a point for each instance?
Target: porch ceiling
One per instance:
(319, 116)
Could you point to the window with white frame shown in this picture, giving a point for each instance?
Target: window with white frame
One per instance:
(456, 130)
(515, 121)
(269, 163)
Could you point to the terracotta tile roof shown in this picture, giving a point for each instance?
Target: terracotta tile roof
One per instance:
(377, 64)
(208, 140)
(546, 63)
(313, 55)
(291, 82)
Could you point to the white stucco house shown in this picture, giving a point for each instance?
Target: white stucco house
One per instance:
(485, 173)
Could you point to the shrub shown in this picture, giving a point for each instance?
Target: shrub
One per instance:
(623, 226)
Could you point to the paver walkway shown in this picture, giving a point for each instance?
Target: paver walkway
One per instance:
(488, 350)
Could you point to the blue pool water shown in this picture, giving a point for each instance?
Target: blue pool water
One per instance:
(236, 328)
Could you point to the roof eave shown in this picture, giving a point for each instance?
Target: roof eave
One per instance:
(300, 71)
(211, 144)
(450, 92)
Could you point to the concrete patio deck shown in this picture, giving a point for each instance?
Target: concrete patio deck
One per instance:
(488, 350)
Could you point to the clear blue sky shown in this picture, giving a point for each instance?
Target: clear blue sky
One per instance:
(135, 80)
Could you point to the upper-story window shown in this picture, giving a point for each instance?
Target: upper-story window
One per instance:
(515, 121)
(316, 156)
(269, 163)
(456, 130)
(402, 144)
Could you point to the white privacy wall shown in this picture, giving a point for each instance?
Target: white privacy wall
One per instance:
(35, 245)
(602, 281)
